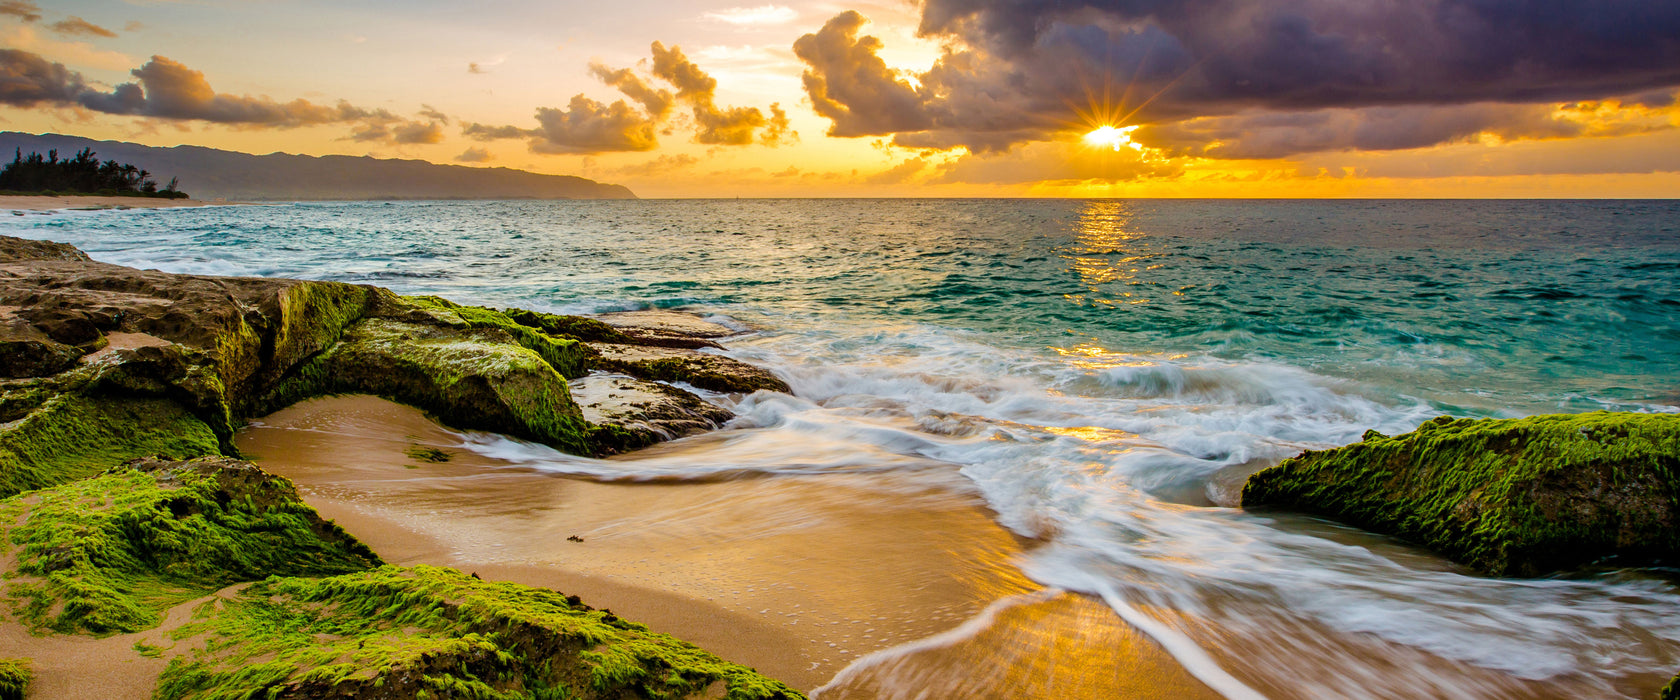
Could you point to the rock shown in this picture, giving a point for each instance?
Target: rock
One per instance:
(474, 378)
(647, 412)
(703, 370)
(191, 355)
(1672, 690)
(24, 249)
(163, 532)
(1519, 497)
(411, 632)
(672, 329)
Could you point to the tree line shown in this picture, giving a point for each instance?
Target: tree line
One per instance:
(83, 174)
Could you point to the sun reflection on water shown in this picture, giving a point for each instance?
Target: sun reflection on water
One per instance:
(1108, 256)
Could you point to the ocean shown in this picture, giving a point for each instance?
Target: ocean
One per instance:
(1103, 374)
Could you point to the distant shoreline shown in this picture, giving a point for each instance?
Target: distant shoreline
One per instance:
(49, 203)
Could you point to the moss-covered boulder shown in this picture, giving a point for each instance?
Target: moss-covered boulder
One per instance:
(469, 377)
(1515, 497)
(1672, 690)
(15, 677)
(433, 632)
(110, 553)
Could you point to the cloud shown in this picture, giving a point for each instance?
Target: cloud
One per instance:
(848, 83)
(433, 114)
(24, 10)
(898, 173)
(482, 67)
(727, 126)
(76, 26)
(405, 133)
(1054, 161)
(1017, 72)
(167, 90)
(475, 155)
(27, 80)
(587, 126)
(657, 166)
(765, 15)
(656, 102)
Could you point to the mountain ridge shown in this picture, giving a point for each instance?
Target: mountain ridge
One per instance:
(211, 173)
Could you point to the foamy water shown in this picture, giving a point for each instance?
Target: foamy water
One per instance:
(1104, 375)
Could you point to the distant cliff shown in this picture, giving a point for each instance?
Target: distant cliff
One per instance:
(211, 174)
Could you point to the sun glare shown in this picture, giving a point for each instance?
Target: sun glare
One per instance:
(1113, 137)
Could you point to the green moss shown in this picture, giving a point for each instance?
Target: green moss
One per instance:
(400, 632)
(1510, 497)
(15, 676)
(108, 554)
(427, 454)
(575, 327)
(566, 355)
(468, 378)
(74, 436)
(1672, 690)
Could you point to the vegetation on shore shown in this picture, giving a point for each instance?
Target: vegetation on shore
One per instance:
(82, 174)
(435, 632)
(1512, 497)
(109, 554)
(15, 676)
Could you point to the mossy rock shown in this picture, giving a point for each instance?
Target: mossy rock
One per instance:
(434, 632)
(15, 677)
(1510, 497)
(1672, 690)
(473, 378)
(74, 436)
(109, 554)
(565, 353)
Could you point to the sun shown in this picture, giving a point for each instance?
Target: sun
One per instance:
(1113, 137)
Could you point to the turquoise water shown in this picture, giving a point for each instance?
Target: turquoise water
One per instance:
(1103, 373)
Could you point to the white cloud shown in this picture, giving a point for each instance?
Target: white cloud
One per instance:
(765, 15)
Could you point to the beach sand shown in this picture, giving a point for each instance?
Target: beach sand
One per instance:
(21, 203)
(794, 576)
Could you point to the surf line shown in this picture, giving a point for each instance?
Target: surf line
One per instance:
(1199, 665)
(1195, 660)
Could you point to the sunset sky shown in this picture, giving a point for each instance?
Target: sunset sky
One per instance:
(1125, 98)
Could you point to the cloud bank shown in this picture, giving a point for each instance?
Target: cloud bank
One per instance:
(587, 126)
(1281, 77)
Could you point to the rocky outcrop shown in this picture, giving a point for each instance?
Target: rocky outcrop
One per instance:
(120, 496)
(1519, 497)
(432, 632)
(101, 363)
(646, 412)
(109, 554)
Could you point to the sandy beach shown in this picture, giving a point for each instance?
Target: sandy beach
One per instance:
(24, 203)
(798, 578)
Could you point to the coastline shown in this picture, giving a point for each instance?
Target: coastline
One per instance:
(797, 578)
(27, 203)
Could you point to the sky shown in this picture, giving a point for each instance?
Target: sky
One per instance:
(896, 98)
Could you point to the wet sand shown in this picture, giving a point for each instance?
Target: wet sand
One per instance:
(22, 203)
(797, 577)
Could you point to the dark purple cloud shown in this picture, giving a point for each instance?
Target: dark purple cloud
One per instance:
(1023, 69)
